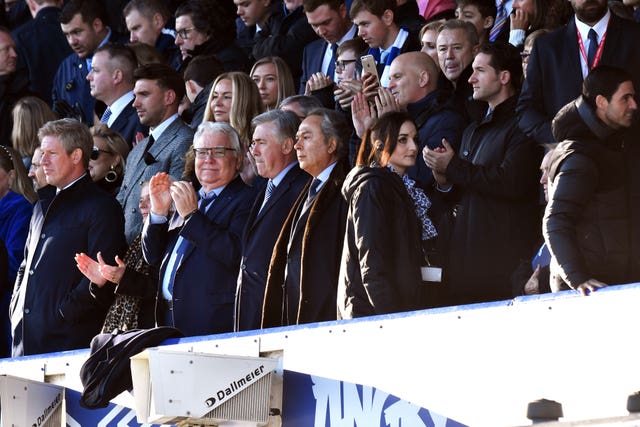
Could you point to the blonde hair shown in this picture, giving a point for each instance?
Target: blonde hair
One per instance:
(245, 104)
(116, 143)
(283, 74)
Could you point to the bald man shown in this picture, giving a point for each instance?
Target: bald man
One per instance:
(414, 85)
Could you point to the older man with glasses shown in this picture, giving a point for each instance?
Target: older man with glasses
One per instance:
(198, 247)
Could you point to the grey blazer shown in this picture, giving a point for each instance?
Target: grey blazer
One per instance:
(168, 153)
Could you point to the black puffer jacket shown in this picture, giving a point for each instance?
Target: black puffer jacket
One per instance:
(587, 221)
(381, 257)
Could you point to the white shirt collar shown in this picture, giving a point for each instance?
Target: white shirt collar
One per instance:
(583, 29)
(278, 178)
(324, 175)
(157, 131)
(600, 28)
(119, 105)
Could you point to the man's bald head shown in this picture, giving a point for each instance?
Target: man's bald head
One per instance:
(413, 75)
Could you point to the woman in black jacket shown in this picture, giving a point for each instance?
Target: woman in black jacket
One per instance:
(387, 223)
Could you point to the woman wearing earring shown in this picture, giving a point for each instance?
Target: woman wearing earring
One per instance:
(108, 158)
(387, 224)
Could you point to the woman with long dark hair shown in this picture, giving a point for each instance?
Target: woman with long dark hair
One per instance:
(387, 223)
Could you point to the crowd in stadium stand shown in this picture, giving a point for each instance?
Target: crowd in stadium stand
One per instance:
(230, 165)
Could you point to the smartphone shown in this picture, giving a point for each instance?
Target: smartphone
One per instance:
(369, 64)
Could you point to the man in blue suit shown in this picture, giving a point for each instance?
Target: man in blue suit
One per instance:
(111, 81)
(198, 248)
(272, 148)
(330, 20)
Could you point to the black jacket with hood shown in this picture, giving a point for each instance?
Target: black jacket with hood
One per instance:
(587, 221)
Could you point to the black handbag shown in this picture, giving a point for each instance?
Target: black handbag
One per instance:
(107, 371)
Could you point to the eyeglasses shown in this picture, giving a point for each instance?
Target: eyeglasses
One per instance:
(203, 153)
(340, 65)
(184, 33)
(95, 153)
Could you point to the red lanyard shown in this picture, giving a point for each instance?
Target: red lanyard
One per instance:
(583, 52)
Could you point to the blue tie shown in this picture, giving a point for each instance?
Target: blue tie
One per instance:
(313, 192)
(182, 244)
(270, 188)
(332, 65)
(105, 116)
(593, 47)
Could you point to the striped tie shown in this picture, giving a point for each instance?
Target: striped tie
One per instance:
(105, 116)
(270, 187)
(501, 19)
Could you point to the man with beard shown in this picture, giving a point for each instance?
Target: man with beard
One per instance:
(83, 24)
(559, 62)
(587, 221)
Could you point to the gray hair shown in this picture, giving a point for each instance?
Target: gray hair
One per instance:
(220, 127)
(286, 123)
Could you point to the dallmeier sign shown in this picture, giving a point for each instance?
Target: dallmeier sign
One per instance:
(236, 385)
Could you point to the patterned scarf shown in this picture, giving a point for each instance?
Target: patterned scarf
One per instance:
(393, 51)
(422, 205)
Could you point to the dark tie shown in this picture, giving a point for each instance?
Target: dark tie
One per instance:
(332, 65)
(593, 47)
(183, 244)
(270, 187)
(313, 192)
(105, 116)
(501, 19)
(148, 157)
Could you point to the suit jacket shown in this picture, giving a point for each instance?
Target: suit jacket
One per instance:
(205, 280)
(168, 151)
(318, 246)
(554, 76)
(312, 57)
(127, 124)
(41, 47)
(258, 240)
(52, 308)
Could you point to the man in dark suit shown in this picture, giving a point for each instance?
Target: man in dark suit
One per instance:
(111, 81)
(559, 61)
(41, 46)
(303, 274)
(272, 148)
(330, 20)
(54, 307)
(198, 249)
(158, 91)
